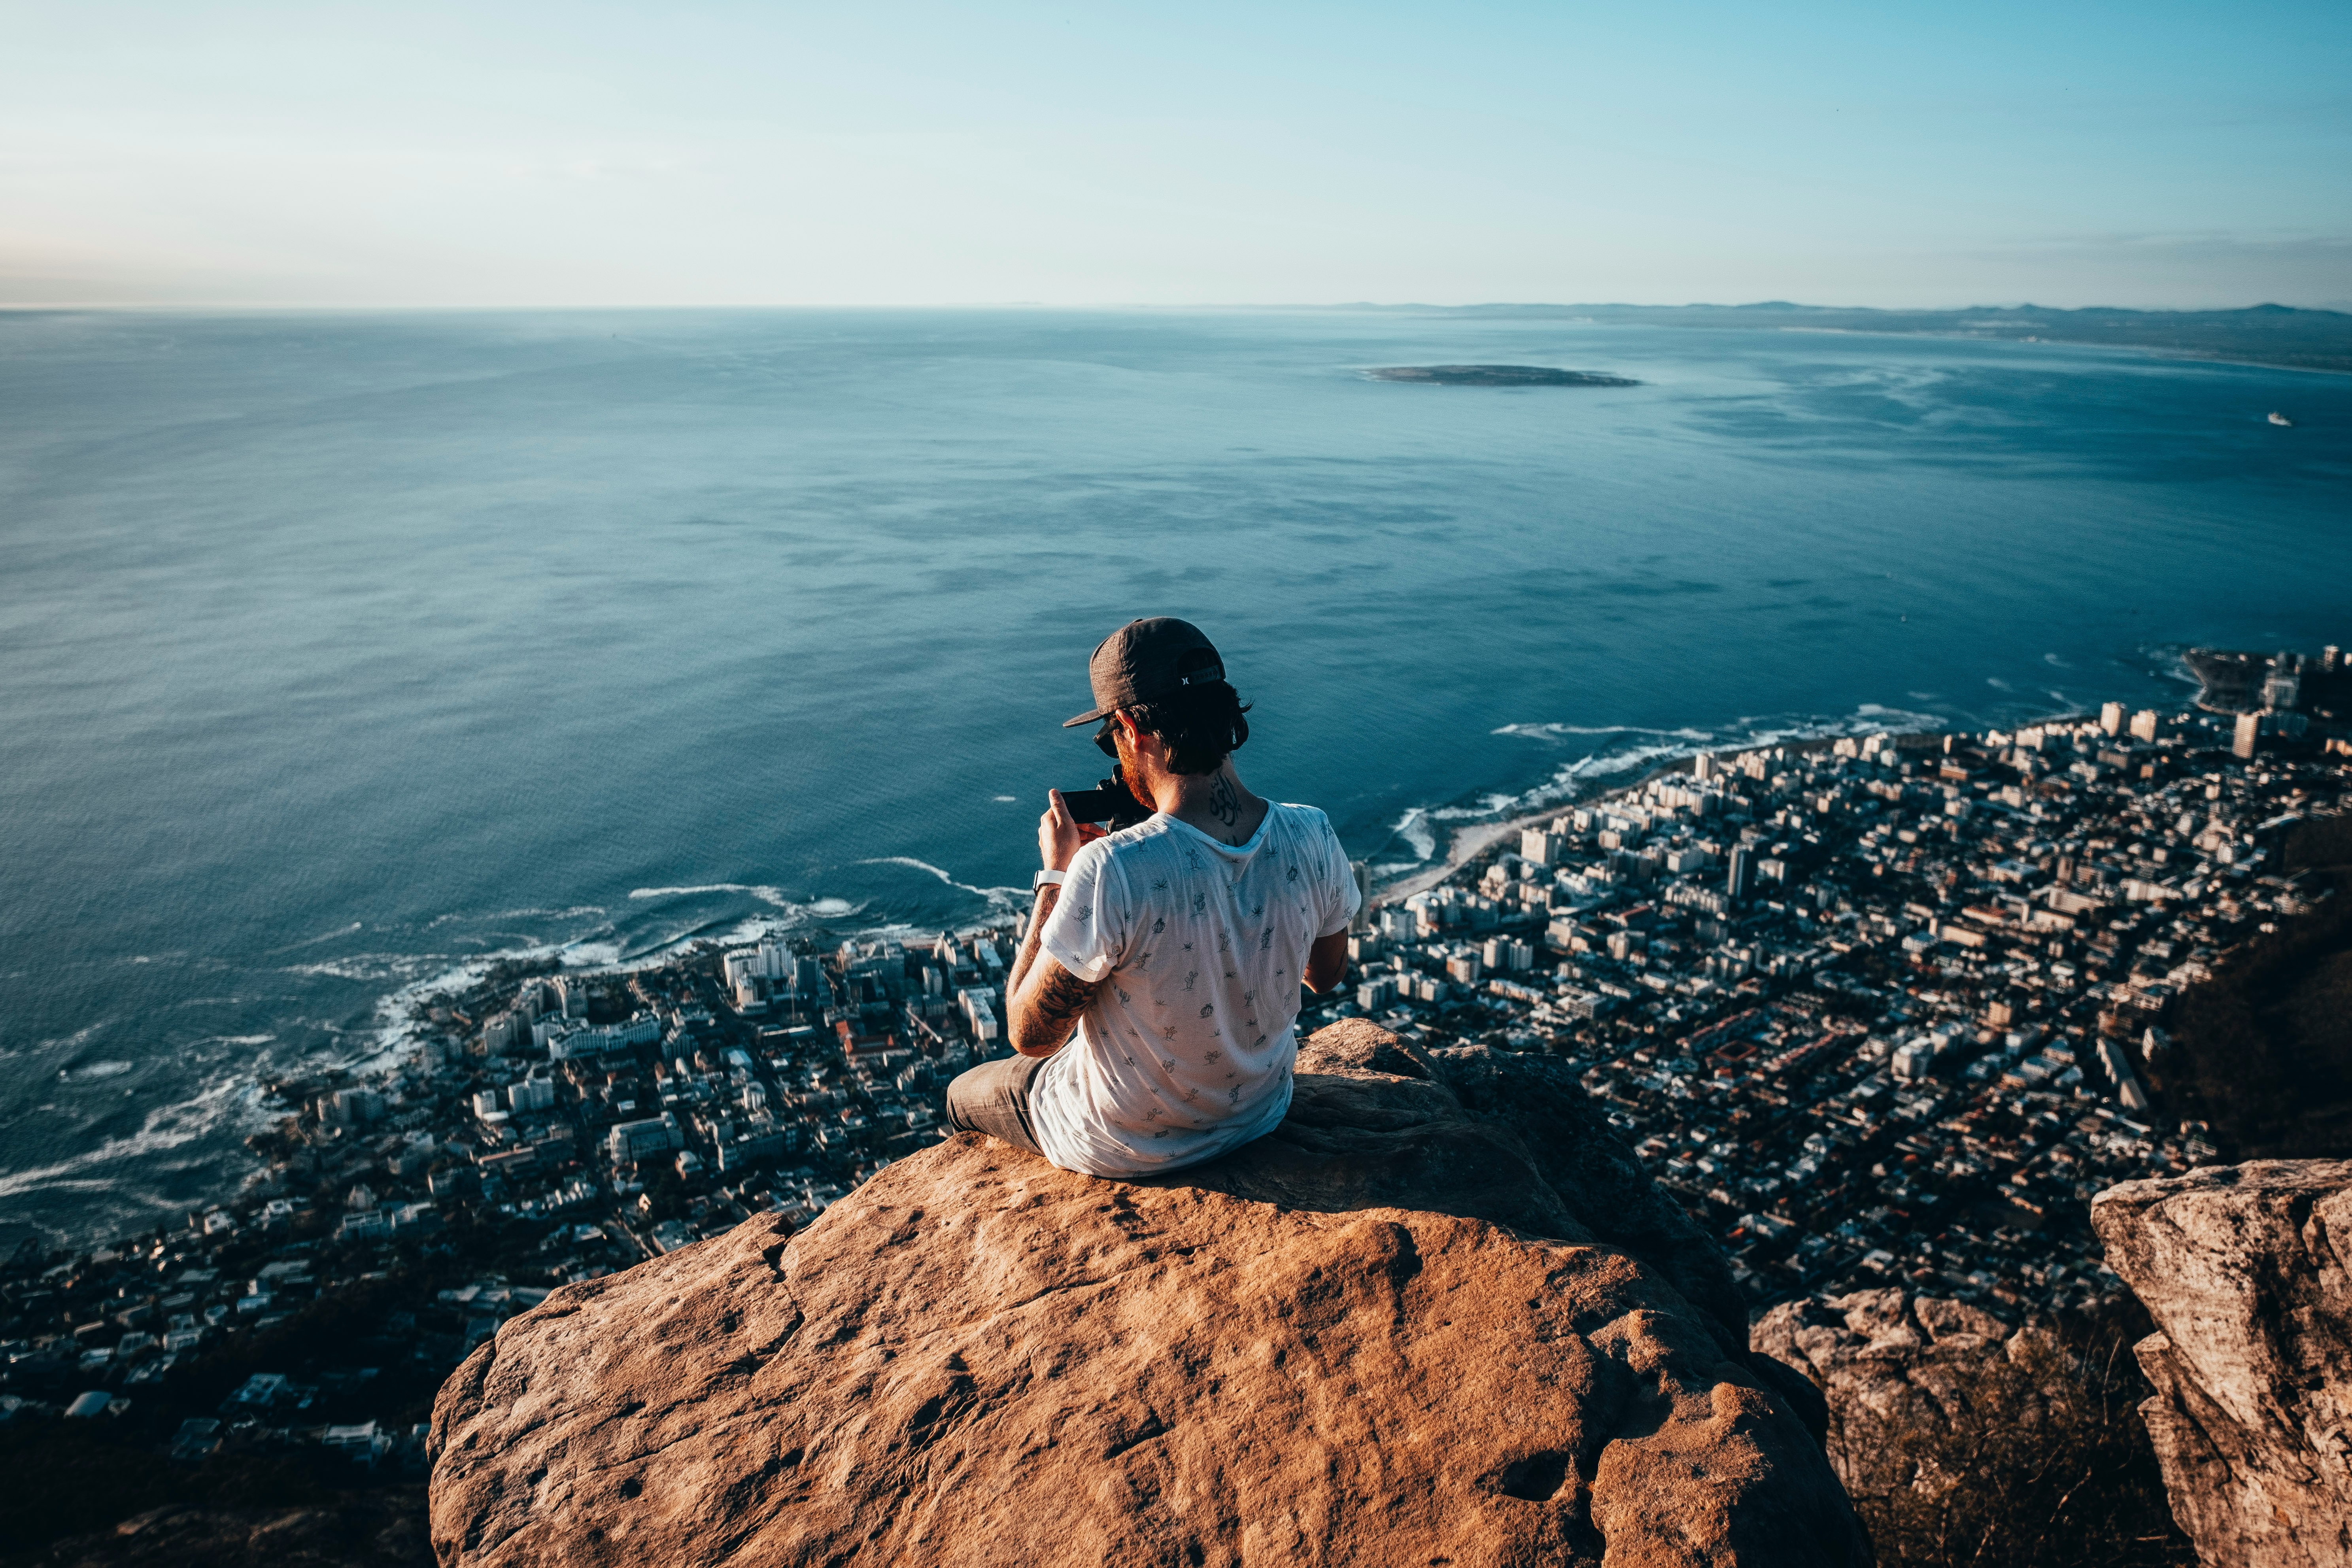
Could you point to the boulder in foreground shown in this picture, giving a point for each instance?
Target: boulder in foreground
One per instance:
(2247, 1270)
(1904, 1360)
(1439, 1315)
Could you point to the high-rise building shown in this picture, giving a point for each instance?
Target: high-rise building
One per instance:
(1743, 860)
(360, 1106)
(2283, 688)
(2143, 725)
(2249, 731)
(1362, 871)
(2110, 717)
(629, 1141)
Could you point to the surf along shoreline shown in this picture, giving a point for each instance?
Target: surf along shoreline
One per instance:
(1470, 841)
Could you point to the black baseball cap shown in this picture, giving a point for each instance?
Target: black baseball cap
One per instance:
(1145, 661)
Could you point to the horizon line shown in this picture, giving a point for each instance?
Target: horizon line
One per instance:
(31, 308)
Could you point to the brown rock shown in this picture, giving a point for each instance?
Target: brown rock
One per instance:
(1438, 1315)
(1902, 1358)
(2244, 1269)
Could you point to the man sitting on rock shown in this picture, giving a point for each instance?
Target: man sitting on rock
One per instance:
(1176, 947)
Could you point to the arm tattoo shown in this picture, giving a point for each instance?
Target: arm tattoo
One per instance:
(1052, 1012)
(1224, 804)
(1061, 997)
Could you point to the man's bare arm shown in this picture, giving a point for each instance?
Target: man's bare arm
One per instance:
(1326, 962)
(1047, 896)
(1043, 998)
(1045, 1006)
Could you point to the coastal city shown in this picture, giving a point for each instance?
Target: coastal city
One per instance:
(1881, 1009)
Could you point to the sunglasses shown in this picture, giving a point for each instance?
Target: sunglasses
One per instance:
(1106, 737)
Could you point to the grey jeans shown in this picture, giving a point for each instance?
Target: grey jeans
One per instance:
(993, 1098)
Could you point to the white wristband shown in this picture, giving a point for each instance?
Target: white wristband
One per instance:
(1047, 880)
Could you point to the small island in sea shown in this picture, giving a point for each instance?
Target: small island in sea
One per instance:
(1496, 376)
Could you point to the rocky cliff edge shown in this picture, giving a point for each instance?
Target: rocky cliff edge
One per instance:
(1439, 1316)
(2247, 1270)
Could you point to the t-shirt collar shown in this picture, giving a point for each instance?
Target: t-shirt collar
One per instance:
(1239, 851)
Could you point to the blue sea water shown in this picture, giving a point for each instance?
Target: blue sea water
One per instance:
(339, 652)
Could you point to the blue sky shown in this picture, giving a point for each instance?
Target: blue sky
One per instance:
(711, 154)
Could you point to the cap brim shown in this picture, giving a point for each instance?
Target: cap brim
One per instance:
(1086, 718)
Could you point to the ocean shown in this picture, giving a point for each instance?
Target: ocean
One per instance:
(341, 653)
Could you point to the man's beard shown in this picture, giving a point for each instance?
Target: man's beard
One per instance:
(1129, 771)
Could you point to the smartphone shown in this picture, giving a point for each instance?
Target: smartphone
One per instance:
(1096, 805)
(1113, 803)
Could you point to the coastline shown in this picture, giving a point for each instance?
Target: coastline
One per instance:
(1468, 843)
(1868, 971)
(402, 1019)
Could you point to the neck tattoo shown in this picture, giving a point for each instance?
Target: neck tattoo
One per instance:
(1224, 805)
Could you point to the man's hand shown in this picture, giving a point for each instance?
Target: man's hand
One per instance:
(1059, 834)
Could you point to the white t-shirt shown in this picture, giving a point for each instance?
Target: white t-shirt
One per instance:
(1187, 1052)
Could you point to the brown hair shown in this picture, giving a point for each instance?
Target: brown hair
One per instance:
(1200, 725)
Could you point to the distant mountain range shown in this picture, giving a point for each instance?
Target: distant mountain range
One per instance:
(2261, 334)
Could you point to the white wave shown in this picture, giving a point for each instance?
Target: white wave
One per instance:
(2054, 659)
(68, 1042)
(236, 1039)
(766, 895)
(577, 912)
(315, 941)
(1488, 804)
(95, 1069)
(1004, 799)
(1566, 730)
(996, 897)
(1414, 829)
(1998, 684)
(164, 1128)
(373, 968)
